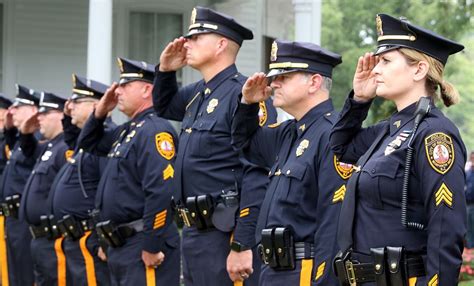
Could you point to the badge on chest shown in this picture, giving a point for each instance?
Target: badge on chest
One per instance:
(46, 155)
(397, 142)
(304, 144)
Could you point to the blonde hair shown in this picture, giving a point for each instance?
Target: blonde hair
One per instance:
(434, 78)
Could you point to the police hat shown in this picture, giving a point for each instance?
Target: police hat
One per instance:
(86, 88)
(26, 96)
(135, 70)
(205, 20)
(289, 57)
(396, 33)
(4, 102)
(50, 101)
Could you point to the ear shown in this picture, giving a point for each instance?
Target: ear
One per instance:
(421, 71)
(221, 45)
(146, 90)
(315, 82)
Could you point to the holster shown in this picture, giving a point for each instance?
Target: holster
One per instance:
(225, 211)
(13, 205)
(339, 268)
(378, 255)
(397, 271)
(278, 249)
(70, 228)
(201, 209)
(47, 222)
(112, 235)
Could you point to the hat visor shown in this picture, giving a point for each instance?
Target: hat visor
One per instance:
(275, 72)
(197, 32)
(385, 48)
(130, 79)
(19, 103)
(43, 109)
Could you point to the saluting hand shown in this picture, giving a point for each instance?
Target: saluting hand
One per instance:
(67, 108)
(30, 125)
(8, 120)
(173, 56)
(364, 79)
(107, 103)
(256, 89)
(152, 259)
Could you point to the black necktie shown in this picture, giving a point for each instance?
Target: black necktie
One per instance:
(346, 217)
(263, 215)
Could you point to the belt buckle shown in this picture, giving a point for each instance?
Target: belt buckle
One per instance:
(351, 277)
(184, 214)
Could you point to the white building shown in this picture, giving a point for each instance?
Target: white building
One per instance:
(44, 41)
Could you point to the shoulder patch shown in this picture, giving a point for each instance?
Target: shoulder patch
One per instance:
(165, 145)
(440, 152)
(274, 125)
(444, 195)
(433, 281)
(262, 113)
(68, 154)
(343, 169)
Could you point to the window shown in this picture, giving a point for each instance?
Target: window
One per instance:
(150, 33)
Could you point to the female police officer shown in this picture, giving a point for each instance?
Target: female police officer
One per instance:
(402, 222)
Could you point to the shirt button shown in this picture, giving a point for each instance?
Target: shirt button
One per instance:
(200, 113)
(200, 124)
(288, 172)
(372, 171)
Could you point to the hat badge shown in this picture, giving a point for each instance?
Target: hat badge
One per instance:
(193, 16)
(378, 21)
(273, 52)
(144, 65)
(120, 64)
(73, 80)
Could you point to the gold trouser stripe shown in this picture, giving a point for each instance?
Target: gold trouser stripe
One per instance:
(3, 253)
(150, 276)
(412, 281)
(238, 283)
(61, 261)
(88, 259)
(306, 269)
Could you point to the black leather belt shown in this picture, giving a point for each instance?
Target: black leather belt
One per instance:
(304, 250)
(38, 231)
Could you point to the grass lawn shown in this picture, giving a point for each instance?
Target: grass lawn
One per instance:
(467, 283)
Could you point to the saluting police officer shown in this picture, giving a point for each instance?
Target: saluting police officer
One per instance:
(297, 222)
(403, 219)
(5, 103)
(134, 193)
(50, 155)
(74, 191)
(17, 171)
(208, 171)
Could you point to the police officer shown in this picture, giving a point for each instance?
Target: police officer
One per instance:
(404, 215)
(74, 191)
(4, 105)
(50, 156)
(206, 165)
(134, 192)
(15, 174)
(298, 217)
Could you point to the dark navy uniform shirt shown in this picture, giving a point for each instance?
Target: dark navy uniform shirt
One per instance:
(137, 181)
(206, 162)
(17, 170)
(68, 195)
(307, 183)
(436, 196)
(50, 157)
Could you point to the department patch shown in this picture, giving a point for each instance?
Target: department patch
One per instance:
(165, 145)
(68, 154)
(262, 113)
(274, 125)
(212, 105)
(304, 144)
(343, 169)
(440, 152)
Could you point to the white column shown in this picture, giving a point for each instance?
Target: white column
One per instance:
(308, 20)
(99, 45)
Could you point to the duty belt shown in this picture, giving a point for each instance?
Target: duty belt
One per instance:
(47, 228)
(116, 235)
(390, 267)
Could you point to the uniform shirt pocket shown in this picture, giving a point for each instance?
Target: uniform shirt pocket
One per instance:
(294, 174)
(203, 143)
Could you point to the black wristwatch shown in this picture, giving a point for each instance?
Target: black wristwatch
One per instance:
(238, 247)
